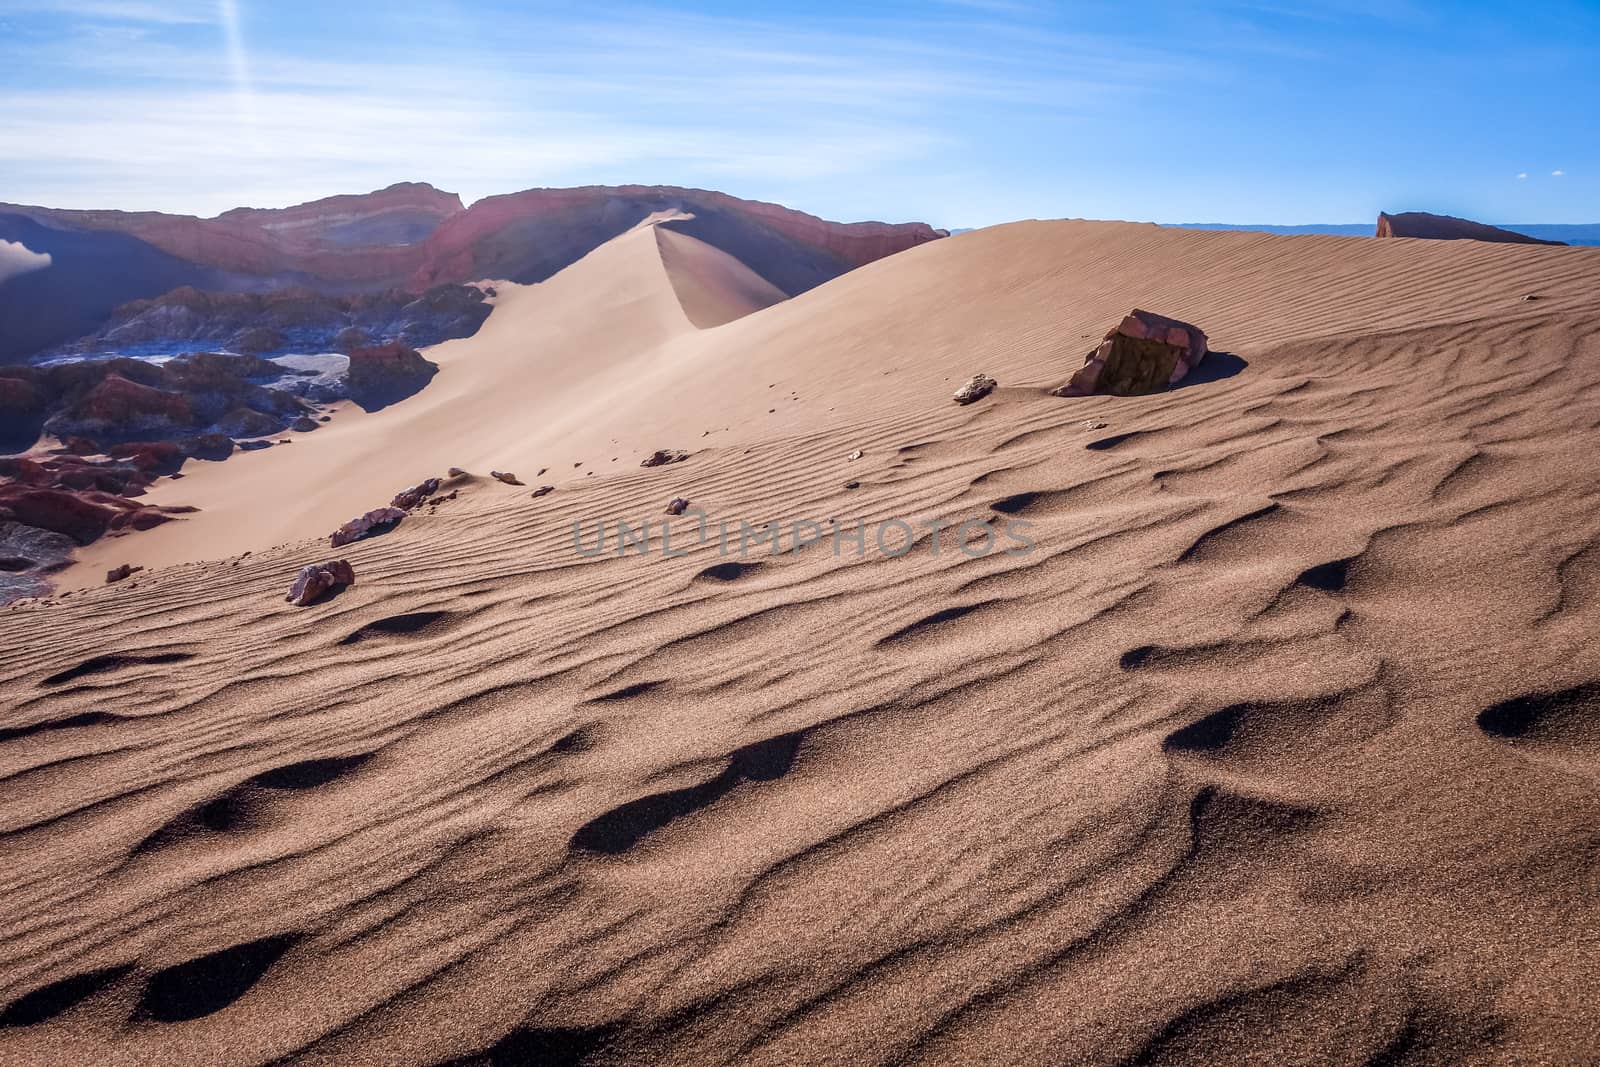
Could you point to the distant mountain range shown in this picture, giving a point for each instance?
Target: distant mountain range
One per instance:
(1568, 233)
(64, 272)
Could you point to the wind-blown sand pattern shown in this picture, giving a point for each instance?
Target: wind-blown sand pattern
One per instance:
(1281, 747)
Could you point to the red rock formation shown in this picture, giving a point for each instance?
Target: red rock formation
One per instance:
(414, 235)
(83, 516)
(1449, 228)
(456, 250)
(341, 238)
(1144, 353)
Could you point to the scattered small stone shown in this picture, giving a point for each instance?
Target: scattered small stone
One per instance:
(578, 464)
(326, 418)
(1093, 424)
(772, 411)
(304, 424)
(406, 499)
(541, 471)
(662, 456)
(678, 505)
(855, 455)
(317, 578)
(505, 476)
(376, 521)
(542, 490)
(978, 387)
(1531, 296)
(852, 485)
(116, 574)
(455, 472)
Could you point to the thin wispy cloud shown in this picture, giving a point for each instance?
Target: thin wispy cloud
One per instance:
(1243, 108)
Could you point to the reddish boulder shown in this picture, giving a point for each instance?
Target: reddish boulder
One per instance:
(318, 578)
(376, 521)
(1144, 353)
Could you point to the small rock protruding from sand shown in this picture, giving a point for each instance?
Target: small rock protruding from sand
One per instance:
(852, 484)
(540, 471)
(542, 490)
(662, 456)
(1093, 424)
(978, 386)
(505, 476)
(678, 505)
(455, 472)
(317, 578)
(378, 520)
(406, 499)
(857, 454)
(116, 574)
(1531, 296)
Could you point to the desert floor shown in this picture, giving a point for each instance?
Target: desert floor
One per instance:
(1280, 746)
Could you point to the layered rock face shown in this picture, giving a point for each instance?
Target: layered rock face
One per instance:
(115, 401)
(1449, 228)
(410, 237)
(362, 240)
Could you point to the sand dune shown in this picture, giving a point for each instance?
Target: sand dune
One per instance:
(1279, 747)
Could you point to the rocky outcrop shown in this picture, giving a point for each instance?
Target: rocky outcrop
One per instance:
(83, 515)
(289, 320)
(1144, 353)
(317, 579)
(1449, 228)
(108, 402)
(385, 374)
(28, 556)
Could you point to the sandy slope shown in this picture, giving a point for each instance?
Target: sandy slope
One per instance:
(1280, 747)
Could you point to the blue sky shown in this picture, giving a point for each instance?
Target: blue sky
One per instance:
(958, 112)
